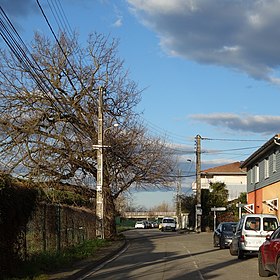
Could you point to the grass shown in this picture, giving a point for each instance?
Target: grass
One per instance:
(124, 228)
(40, 264)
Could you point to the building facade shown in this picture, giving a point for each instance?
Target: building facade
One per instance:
(232, 175)
(263, 177)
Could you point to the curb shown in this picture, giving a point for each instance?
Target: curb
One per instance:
(95, 263)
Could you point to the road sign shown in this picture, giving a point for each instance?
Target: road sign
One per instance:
(218, 209)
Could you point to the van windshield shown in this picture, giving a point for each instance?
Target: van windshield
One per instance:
(168, 221)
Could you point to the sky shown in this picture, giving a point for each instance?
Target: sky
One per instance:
(208, 68)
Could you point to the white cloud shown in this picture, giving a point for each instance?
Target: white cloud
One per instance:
(242, 34)
(266, 125)
(118, 22)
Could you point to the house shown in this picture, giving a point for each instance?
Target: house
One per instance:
(232, 175)
(263, 177)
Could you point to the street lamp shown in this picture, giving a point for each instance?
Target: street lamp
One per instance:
(99, 185)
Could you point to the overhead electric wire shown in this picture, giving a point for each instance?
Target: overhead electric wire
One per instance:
(165, 133)
(57, 41)
(228, 150)
(60, 16)
(21, 52)
(233, 140)
(23, 55)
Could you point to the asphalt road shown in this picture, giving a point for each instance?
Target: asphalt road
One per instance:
(155, 255)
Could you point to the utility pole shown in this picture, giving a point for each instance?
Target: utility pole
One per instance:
(99, 185)
(179, 203)
(198, 211)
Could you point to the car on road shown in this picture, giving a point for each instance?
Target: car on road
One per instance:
(154, 224)
(168, 223)
(140, 224)
(269, 253)
(251, 232)
(222, 236)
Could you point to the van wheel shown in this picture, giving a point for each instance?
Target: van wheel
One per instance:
(262, 271)
(240, 254)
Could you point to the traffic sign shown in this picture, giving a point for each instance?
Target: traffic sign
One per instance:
(218, 209)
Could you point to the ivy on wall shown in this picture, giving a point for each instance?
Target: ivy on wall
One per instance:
(17, 204)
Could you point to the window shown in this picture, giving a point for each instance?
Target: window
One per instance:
(269, 224)
(266, 168)
(257, 173)
(274, 161)
(252, 223)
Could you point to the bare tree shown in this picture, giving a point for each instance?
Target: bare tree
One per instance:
(49, 119)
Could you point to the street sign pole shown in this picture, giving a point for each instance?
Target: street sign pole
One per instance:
(215, 209)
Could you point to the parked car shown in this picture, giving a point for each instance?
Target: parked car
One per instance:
(269, 253)
(140, 224)
(251, 232)
(223, 234)
(168, 223)
(154, 224)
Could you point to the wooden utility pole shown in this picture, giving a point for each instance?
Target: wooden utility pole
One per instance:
(198, 211)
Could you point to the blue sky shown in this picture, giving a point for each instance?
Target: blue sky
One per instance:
(206, 67)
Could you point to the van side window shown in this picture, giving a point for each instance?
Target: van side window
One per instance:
(252, 223)
(269, 224)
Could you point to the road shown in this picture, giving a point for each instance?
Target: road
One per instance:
(155, 255)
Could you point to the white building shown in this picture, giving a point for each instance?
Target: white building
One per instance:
(234, 177)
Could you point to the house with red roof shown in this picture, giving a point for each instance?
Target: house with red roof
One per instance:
(232, 175)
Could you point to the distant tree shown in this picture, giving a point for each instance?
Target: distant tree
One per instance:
(242, 198)
(215, 196)
(162, 207)
(218, 194)
(49, 119)
(188, 203)
(233, 205)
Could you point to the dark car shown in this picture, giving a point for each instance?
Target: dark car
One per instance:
(269, 253)
(223, 234)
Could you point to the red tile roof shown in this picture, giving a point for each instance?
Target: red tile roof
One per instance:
(231, 168)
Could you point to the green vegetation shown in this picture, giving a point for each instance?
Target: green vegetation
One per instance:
(38, 265)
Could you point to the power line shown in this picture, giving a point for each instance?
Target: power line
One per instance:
(30, 64)
(233, 140)
(21, 52)
(228, 150)
(57, 41)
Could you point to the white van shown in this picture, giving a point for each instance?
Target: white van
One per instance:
(251, 232)
(168, 223)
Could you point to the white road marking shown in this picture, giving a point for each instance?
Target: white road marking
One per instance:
(196, 265)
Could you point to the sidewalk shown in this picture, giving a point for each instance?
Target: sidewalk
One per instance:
(81, 268)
